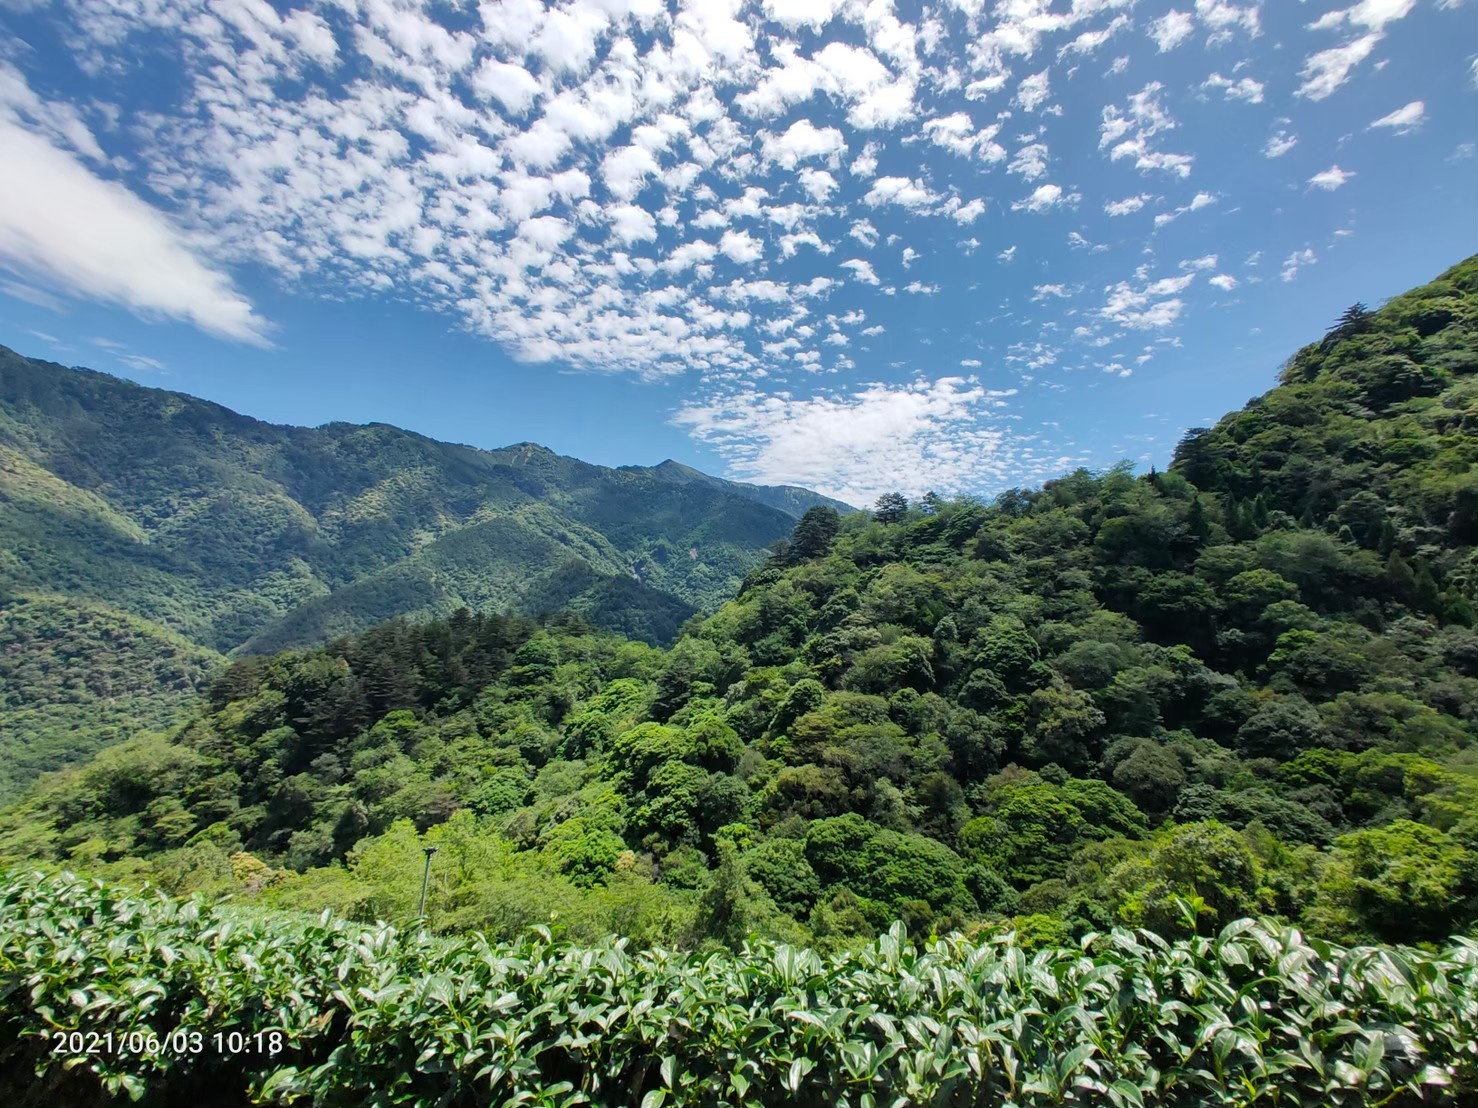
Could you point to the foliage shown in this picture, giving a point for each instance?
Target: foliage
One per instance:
(1249, 684)
(1255, 1014)
(75, 677)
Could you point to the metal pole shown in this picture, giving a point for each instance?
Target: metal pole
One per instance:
(425, 880)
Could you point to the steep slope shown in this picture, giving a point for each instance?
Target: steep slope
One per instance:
(239, 533)
(1111, 700)
(1373, 435)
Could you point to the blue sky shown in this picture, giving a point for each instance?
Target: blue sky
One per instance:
(857, 245)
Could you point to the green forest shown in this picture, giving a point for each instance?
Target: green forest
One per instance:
(1244, 686)
(145, 534)
(76, 676)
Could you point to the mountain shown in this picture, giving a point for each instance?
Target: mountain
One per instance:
(1246, 685)
(789, 499)
(240, 534)
(135, 515)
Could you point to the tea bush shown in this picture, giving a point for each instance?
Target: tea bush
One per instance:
(1257, 1015)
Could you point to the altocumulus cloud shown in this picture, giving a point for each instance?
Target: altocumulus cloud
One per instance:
(714, 191)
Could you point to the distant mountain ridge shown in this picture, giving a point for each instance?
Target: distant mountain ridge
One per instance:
(237, 533)
(790, 499)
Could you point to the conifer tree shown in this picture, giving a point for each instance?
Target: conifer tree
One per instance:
(814, 532)
(891, 507)
(1351, 321)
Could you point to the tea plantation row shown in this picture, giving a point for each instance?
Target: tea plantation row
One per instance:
(184, 1003)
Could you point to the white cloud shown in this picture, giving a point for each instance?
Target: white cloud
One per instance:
(627, 169)
(629, 185)
(741, 247)
(142, 363)
(1033, 91)
(1126, 206)
(1403, 120)
(1279, 144)
(1374, 14)
(1330, 179)
(60, 122)
(1296, 261)
(30, 294)
(903, 192)
(877, 97)
(1328, 69)
(818, 183)
(1126, 132)
(1146, 306)
(801, 141)
(1030, 161)
(1045, 198)
(969, 212)
(858, 445)
(1224, 281)
(509, 84)
(1242, 88)
(688, 255)
(865, 164)
(1171, 29)
(957, 132)
(801, 13)
(1225, 19)
(1089, 41)
(61, 224)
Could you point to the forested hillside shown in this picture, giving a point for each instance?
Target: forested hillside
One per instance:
(1245, 685)
(75, 677)
(185, 521)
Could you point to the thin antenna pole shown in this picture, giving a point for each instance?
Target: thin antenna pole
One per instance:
(425, 881)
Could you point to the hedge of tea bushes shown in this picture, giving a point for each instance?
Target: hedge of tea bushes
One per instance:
(368, 1015)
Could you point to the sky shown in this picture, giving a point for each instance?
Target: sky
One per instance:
(855, 245)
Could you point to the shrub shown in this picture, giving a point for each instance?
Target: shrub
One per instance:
(369, 1015)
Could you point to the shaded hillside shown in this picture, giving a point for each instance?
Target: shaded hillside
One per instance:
(235, 532)
(1114, 699)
